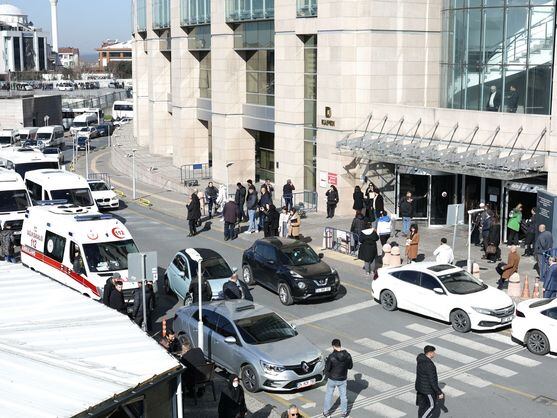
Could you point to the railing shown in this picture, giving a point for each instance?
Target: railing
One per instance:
(104, 102)
(306, 8)
(303, 202)
(244, 10)
(344, 242)
(190, 174)
(100, 176)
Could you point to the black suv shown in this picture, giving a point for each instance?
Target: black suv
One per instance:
(290, 268)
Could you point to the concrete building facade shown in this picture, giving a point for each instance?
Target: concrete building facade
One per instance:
(304, 90)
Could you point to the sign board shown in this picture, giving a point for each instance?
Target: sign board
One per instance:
(142, 262)
(332, 179)
(547, 212)
(455, 214)
(323, 176)
(197, 166)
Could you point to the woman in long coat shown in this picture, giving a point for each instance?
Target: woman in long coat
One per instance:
(194, 214)
(358, 197)
(412, 244)
(368, 249)
(294, 224)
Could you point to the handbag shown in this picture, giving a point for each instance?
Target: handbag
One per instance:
(500, 268)
(491, 249)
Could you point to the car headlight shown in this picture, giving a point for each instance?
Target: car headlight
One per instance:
(296, 275)
(271, 368)
(301, 285)
(483, 311)
(333, 271)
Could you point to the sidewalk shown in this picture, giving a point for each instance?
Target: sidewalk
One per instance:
(159, 182)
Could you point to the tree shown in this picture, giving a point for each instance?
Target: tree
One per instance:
(120, 69)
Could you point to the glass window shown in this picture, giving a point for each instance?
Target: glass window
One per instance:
(429, 282)
(461, 283)
(54, 246)
(302, 255)
(551, 313)
(161, 14)
(180, 263)
(79, 197)
(306, 8)
(408, 276)
(13, 200)
(264, 329)
(210, 319)
(108, 256)
(141, 15)
(215, 268)
(225, 327)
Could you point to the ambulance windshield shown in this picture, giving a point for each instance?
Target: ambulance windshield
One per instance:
(79, 197)
(108, 256)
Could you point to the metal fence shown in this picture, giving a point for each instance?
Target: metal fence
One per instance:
(104, 101)
(100, 176)
(341, 241)
(190, 174)
(304, 202)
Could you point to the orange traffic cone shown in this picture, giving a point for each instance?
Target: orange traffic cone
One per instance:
(163, 327)
(536, 293)
(526, 289)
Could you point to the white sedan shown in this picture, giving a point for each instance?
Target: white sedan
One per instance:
(535, 325)
(444, 292)
(103, 195)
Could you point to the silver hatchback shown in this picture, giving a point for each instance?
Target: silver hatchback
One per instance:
(255, 343)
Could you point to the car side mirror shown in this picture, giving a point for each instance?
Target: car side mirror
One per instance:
(111, 187)
(439, 291)
(321, 255)
(271, 261)
(230, 340)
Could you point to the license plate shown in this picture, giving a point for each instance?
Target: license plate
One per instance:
(323, 289)
(506, 319)
(305, 383)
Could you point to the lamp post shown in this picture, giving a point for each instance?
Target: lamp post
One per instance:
(87, 159)
(228, 164)
(133, 173)
(469, 260)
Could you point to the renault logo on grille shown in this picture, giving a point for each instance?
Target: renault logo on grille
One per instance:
(305, 367)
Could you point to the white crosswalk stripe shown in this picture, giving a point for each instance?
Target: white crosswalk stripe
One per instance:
(452, 392)
(421, 328)
(411, 358)
(381, 410)
(503, 339)
(450, 354)
(396, 336)
(372, 382)
(389, 369)
(408, 397)
(472, 380)
(369, 343)
(468, 343)
(498, 370)
(523, 361)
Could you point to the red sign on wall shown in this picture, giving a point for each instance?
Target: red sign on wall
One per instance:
(332, 179)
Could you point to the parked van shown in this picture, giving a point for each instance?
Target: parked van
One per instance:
(8, 138)
(27, 134)
(59, 185)
(77, 247)
(22, 160)
(14, 200)
(83, 121)
(51, 136)
(122, 109)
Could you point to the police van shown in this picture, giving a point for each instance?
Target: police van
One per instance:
(14, 200)
(77, 247)
(59, 184)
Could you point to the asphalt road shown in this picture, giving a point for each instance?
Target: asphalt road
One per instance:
(483, 374)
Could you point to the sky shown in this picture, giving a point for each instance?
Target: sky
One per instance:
(82, 24)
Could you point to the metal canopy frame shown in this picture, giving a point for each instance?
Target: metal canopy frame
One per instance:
(394, 145)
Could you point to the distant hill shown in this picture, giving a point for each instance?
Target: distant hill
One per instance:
(89, 57)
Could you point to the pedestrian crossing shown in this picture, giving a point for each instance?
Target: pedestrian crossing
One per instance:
(381, 384)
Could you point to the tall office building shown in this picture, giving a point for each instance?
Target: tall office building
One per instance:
(451, 100)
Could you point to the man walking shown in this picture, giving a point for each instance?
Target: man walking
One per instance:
(287, 194)
(251, 206)
(406, 209)
(240, 198)
(211, 194)
(543, 243)
(230, 216)
(427, 385)
(336, 369)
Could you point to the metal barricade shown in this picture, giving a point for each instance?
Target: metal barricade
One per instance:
(303, 202)
(100, 176)
(344, 242)
(190, 174)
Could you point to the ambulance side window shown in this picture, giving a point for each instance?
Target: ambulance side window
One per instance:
(54, 246)
(73, 249)
(35, 190)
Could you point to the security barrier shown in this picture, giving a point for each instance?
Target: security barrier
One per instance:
(304, 202)
(120, 193)
(145, 202)
(341, 241)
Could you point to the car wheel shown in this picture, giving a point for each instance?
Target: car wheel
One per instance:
(285, 295)
(250, 379)
(388, 300)
(537, 343)
(460, 321)
(166, 285)
(247, 275)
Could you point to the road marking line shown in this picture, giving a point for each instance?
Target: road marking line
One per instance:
(290, 396)
(499, 338)
(396, 336)
(382, 410)
(474, 345)
(421, 328)
(408, 397)
(450, 354)
(372, 382)
(411, 358)
(335, 312)
(523, 361)
(498, 370)
(513, 390)
(389, 369)
(452, 392)
(472, 380)
(309, 405)
(369, 343)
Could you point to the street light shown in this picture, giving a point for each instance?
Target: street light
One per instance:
(228, 164)
(133, 173)
(87, 159)
(470, 213)
(197, 258)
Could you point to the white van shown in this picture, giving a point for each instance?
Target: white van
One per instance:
(122, 109)
(26, 134)
(53, 234)
(50, 136)
(8, 138)
(59, 185)
(83, 121)
(23, 160)
(14, 200)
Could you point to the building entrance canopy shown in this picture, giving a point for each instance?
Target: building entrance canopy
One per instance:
(467, 155)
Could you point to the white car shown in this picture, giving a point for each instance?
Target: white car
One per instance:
(87, 132)
(535, 325)
(103, 195)
(444, 292)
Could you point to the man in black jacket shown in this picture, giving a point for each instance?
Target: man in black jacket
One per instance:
(429, 394)
(109, 287)
(230, 289)
(211, 194)
(406, 211)
(240, 199)
(191, 359)
(336, 369)
(230, 216)
(138, 304)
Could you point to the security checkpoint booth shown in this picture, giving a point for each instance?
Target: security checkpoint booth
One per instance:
(66, 355)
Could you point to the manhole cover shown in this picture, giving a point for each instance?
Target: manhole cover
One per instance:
(545, 400)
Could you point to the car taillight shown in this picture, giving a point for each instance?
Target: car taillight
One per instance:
(519, 314)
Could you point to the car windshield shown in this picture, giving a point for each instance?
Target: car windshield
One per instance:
(461, 283)
(98, 186)
(79, 124)
(301, 255)
(43, 135)
(5, 140)
(108, 256)
(50, 151)
(23, 168)
(79, 197)
(13, 200)
(215, 268)
(264, 329)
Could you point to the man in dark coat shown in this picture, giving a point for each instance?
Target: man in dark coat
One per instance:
(544, 242)
(406, 211)
(358, 225)
(206, 292)
(512, 101)
(109, 287)
(230, 216)
(211, 194)
(368, 249)
(427, 385)
(287, 193)
(232, 403)
(194, 214)
(493, 100)
(116, 301)
(191, 359)
(138, 304)
(264, 200)
(531, 228)
(230, 289)
(240, 199)
(271, 222)
(251, 206)
(336, 369)
(332, 200)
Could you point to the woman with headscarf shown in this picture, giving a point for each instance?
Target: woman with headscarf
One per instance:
(232, 403)
(271, 221)
(358, 198)
(194, 214)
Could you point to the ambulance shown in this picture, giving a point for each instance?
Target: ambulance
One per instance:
(14, 200)
(54, 235)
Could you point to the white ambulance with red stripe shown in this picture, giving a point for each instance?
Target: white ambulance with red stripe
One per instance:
(76, 246)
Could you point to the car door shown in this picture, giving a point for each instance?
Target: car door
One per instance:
(549, 326)
(178, 276)
(269, 266)
(258, 264)
(428, 302)
(405, 287)
(230, 354)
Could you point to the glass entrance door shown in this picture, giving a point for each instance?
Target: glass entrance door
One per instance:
(442, 195)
